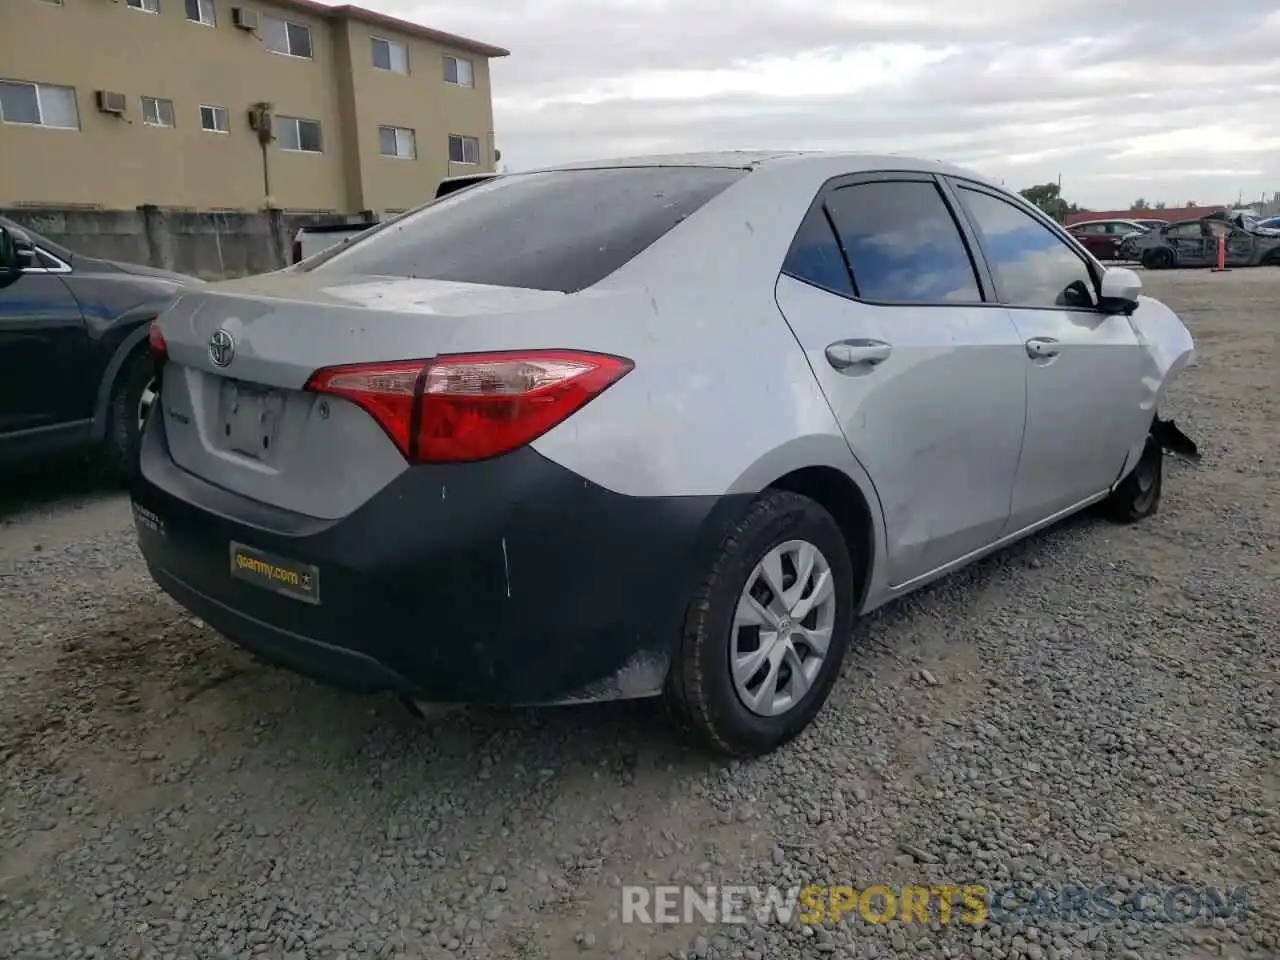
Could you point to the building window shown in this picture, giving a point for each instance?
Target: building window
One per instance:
(390, 56)
(458, 72)
(38, 105)
(214, 119)
(201, 11)
(397, 142)
(283, 36)
(300, 135)
(157, 112)
(147, 6)
(463, 149)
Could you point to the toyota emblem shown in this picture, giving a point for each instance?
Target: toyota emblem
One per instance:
(222, 348)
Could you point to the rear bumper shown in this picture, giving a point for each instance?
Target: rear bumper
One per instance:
(510, 581)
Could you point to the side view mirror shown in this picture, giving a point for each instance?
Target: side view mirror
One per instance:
(1119, 290)
(16, 249)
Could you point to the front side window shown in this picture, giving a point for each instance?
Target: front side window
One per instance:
(458, 72)
(902, 243)
(201, 11)
(39, 105)
(1032, 265)
(157, 112)
(294, 133)
(283, 36)
(214, 119)
(390, 56)
(556, 230)
(463, 149)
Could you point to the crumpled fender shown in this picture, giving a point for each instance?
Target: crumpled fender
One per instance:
(1167, 349)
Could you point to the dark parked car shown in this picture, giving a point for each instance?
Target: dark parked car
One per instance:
(75, 373)
(1105, 238)
(1194, 243)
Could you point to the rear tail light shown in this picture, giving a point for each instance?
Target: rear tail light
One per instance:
(472, 406)
(155, 342)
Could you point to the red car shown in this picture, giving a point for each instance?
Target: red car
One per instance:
(1103, 238)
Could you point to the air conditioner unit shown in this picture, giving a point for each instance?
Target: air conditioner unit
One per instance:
(109, 102)
(244, 18)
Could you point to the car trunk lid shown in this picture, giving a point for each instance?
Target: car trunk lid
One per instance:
(240, 354)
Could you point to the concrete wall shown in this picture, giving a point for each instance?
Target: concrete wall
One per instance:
(212, 246)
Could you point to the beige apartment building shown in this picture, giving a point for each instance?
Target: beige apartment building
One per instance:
(119, 103)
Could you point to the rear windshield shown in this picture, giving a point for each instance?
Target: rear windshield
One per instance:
(558, 230)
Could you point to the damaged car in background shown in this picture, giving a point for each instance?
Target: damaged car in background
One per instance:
(651, 427)
(1194, 243)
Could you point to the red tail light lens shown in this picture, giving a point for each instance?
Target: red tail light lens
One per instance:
(472, 406)
(155, 342)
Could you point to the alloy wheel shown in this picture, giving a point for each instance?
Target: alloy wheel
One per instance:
(147, 400)
(782, 628)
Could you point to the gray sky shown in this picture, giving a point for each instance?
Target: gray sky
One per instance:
(1174, 100)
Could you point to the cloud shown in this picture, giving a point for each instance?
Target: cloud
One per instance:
(1169, 100)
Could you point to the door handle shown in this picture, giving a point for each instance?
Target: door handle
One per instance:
(850, 353)
(1042, 348)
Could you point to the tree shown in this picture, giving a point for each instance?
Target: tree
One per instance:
(1190, 204)
(1160, 205)
(1048, 197)
(1140, 204)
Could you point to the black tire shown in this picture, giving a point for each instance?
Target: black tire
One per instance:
(123, 428)
(1161, 258)
(1138, 495)
(700, 689)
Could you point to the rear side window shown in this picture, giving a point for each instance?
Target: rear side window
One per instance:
(902, 243)
(815, 255)
(559, 230)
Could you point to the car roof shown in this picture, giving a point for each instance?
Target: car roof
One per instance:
(810, 161)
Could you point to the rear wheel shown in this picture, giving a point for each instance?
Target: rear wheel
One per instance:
(1161, 258)
(1138, 495)
(133, 398)
(767, 630)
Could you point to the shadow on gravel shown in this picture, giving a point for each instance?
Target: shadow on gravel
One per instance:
(148, 678)
(48, 484)
(132, 673)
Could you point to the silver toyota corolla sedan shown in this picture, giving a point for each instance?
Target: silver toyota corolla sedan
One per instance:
(649, 427)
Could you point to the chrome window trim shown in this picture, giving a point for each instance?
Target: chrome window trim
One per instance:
(62, 266)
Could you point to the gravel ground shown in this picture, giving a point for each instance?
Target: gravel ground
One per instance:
(1096, 705)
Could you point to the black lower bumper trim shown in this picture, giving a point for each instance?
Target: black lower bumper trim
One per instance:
(528, 584)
